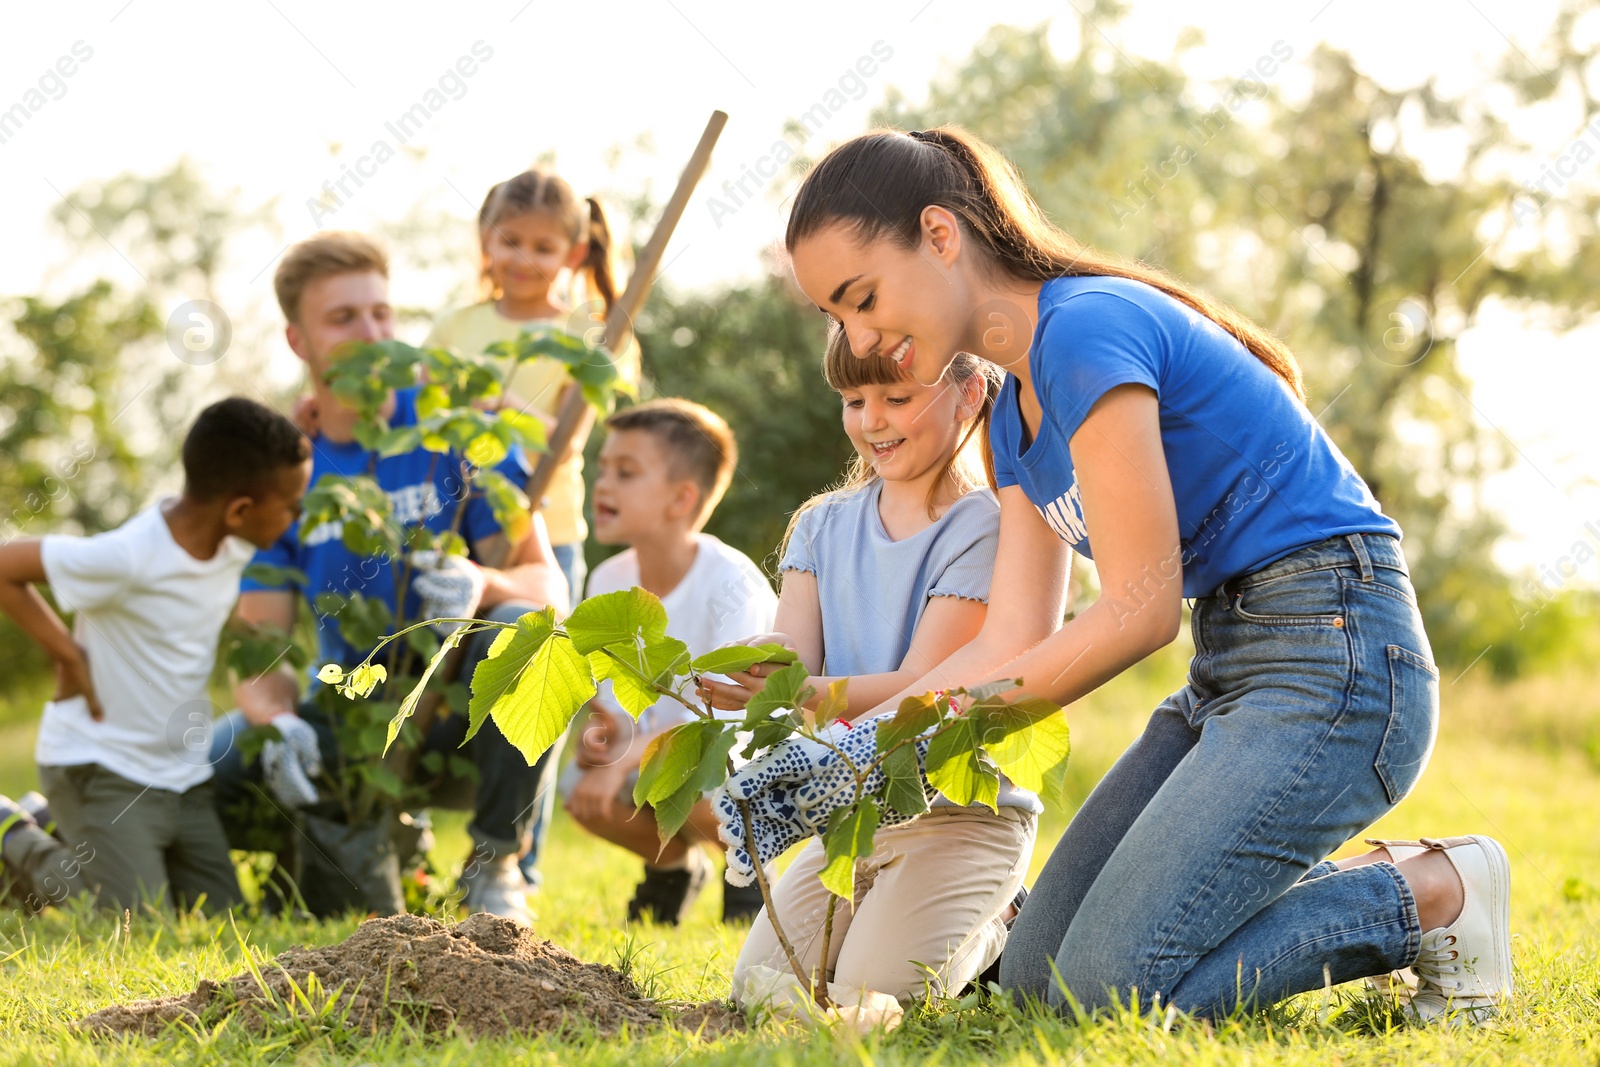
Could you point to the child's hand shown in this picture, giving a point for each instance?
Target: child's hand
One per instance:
(594, 798)
(73, 680)
(603, 738)
(306, 416)
(733, 695)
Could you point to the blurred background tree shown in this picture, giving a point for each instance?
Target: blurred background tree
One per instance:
(1316, 216)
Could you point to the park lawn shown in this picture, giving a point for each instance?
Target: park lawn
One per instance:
(1521, 762)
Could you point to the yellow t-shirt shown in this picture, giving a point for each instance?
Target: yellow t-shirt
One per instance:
(539, 384)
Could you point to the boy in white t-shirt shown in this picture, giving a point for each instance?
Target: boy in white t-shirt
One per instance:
(124, 748)
(663, 467)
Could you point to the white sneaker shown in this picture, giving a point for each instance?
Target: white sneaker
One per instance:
(1401, 983)
(497, 887)
(1464, 969)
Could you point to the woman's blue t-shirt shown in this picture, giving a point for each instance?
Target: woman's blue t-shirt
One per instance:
(1253, 474)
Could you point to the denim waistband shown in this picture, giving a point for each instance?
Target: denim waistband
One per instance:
(1362, 552)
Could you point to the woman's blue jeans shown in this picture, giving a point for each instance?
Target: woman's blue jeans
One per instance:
(1192, 873)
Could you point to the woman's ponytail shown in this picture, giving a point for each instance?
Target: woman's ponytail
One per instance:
(879, 183)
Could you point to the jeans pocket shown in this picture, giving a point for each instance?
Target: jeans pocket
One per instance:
(1310, 598)
(1413, 722)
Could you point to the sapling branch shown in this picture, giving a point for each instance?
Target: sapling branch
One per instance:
(819, 993)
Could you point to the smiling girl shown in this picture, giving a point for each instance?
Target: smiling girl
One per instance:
(1172, 434)
(884, 577)
(534, 235)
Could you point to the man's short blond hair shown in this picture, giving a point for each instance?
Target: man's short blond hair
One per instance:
(323, 255)
(698, 442)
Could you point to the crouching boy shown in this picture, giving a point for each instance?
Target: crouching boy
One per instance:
(663, 467)
(123, 749)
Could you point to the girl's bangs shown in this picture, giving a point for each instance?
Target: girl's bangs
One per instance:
(844, 370)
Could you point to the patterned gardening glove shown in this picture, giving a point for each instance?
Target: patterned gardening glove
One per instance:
(832, 783)
(450, 586)
(288, 765)
(794, 788)
(777, 827)
(767, 783)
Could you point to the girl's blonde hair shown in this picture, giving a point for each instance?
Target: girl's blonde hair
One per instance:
(879, 183)
(842, 370)
(582, 219)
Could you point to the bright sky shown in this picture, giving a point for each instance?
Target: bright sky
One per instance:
(258, 92)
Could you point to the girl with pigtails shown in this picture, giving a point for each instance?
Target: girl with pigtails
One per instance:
(536, 237)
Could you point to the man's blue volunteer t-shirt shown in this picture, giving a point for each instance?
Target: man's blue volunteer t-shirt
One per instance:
(1253, 475)
(423, 488)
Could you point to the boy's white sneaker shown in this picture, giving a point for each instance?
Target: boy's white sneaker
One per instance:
(1464, 969)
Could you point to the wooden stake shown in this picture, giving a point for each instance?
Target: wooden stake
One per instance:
(574, 411)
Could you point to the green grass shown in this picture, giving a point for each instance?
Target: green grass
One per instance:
(1520, 762)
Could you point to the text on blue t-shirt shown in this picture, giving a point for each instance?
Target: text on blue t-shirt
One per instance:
(424, 488)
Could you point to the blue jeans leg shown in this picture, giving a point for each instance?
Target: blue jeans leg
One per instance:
(569, 557)
(1028, 965)
(1310, 712)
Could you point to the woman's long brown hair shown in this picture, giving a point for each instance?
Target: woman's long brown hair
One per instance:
(880, 182)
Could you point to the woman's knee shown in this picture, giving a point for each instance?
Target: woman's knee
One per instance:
(1094, 971)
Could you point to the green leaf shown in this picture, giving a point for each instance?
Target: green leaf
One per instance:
(903, 791)
(632, 616)
(639, 675)
(533, 682)
(835, 703)
(526, 430)
(423, 641)
(486, 450)
(1029, 740)
(399, 441)
(847, 839)
(672, 758)
(990, 690)
(363, 621)
(383, 779)
(770, 732)
(671, 812)
(270, 574)
(507, 501)
(741, 658)
(785, 689)
(958, 769)
(408, 706)
(916, 716)
(249, 651)
(463, 769)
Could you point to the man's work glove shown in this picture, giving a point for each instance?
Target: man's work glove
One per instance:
(288, 765)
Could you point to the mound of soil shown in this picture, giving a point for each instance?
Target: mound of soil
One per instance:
(486, 976)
